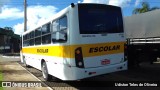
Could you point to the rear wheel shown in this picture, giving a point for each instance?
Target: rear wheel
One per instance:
(25, 64)
(45, 74)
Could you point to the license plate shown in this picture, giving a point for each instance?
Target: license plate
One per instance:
(104, 62)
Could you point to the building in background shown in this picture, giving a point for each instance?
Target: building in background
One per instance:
(9, 42)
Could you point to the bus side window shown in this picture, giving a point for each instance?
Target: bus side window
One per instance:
(63, 29)
(27, 40)
(46, 29)
(46, 39)
(38, 41)
(55, 28)
(59, 30)
(38, 33)
(46, 36)
(54, 37)
(31, 41)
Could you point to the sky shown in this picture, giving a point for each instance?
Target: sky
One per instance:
(12, 11)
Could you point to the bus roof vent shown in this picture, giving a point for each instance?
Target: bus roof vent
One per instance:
(72, 5)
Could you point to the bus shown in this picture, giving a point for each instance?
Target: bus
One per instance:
(83, 40)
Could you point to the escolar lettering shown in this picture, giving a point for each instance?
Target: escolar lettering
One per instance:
(105, 48)
(42, 50)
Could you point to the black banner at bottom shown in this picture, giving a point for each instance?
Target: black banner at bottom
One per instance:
(80, 84)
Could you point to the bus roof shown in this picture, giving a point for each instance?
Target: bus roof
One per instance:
(57, 15)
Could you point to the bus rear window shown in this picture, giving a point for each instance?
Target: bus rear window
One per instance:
(98, 19)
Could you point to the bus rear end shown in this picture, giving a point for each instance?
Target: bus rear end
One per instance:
(97, 39)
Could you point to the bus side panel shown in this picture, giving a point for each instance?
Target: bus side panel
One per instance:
(57, 68)
(33, 60)
(60, 67)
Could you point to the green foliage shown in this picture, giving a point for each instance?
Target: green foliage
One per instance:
(9, 31)
(6, 31)
(145, 8)
(8, 28)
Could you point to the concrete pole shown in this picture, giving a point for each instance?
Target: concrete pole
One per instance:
(25, 15)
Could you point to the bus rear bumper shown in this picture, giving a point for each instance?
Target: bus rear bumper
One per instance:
(90, 72)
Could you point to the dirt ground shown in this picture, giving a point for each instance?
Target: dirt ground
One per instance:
(12, 71)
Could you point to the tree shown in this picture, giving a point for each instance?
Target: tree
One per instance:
(8, 31)
(8, 28)
(145, 8)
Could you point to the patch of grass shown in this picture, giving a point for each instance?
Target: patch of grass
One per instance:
(1, 88)
(1, 78)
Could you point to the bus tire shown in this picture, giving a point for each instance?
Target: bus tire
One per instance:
(25, 64)
(45, 74)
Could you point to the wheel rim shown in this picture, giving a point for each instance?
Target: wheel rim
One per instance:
(24, 61)
(44, 71)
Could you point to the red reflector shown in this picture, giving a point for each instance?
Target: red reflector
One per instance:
(104, 62)
(90, 73)
(125, 47)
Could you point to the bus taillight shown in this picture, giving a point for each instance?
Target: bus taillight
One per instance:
(79, 57)
(125, 52)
